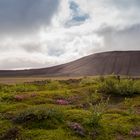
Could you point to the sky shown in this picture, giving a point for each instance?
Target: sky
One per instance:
(44, 33)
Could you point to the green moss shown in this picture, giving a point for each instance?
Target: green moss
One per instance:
(40, 117)
(8, 107)
(4, 126)
(76, 115)
(116, 123)
(57, 134)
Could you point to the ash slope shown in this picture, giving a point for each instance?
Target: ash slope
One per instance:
(106, 63)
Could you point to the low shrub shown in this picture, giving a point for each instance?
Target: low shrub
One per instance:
(97, 111)
(87, 81)
(94, 121)
(94, 97)
(6, 97)
(137, 86)
(40, 117)
(5, 88)
(24, 88)
(11, 134)
(18, 88)
(53, 85)
(124, 87)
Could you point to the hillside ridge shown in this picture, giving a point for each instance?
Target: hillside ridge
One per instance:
(105, 63)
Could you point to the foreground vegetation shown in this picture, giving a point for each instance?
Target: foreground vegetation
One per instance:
(80, 109)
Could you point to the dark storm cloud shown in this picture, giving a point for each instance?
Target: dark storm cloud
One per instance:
(116, 38)
(25, 15)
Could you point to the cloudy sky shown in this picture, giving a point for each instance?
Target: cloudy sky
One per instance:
(42, 33)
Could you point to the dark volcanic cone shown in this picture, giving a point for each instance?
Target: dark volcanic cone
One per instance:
(106, 63)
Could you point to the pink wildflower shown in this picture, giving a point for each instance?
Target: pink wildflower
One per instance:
(20, 97)
(33, 95)
(62, 102)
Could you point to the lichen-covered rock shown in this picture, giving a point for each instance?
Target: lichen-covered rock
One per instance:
(77, 128)
(135, 132)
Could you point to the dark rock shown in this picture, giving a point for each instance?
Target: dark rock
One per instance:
(11, 134)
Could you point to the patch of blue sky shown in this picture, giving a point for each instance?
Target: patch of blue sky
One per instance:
(77, 15)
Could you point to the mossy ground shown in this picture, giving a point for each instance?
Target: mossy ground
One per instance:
(43, 111)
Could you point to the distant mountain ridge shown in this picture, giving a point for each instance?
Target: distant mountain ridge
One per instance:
(106, 63)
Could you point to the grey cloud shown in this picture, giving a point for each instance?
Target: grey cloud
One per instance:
(60, 45)
(17, 63)
(25, 15)
(50, 48)
(57, 52)
(31, 47)
(125, 4)
(116, 38)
